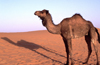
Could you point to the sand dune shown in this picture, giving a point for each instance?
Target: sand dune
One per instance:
(40, 48)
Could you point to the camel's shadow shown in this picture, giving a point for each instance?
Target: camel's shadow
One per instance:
(33, 47)
(23, 43)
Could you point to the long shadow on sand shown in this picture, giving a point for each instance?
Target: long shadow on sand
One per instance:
(32, 46)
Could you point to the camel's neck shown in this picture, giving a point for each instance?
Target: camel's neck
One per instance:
(51, 27)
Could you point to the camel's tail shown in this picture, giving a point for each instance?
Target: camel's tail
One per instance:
(98, 34)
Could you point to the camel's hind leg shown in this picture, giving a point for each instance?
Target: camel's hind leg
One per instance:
(88, 41)
(96, 50)
(94, 41)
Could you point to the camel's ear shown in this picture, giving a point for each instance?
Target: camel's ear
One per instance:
(47, 11)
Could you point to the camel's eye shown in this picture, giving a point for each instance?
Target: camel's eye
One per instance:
(41, 12)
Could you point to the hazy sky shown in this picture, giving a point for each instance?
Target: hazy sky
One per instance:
(18, 15)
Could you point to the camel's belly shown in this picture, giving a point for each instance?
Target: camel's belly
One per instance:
(75, 31)
(79, 31)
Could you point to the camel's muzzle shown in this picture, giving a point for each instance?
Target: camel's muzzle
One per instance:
(35, 13)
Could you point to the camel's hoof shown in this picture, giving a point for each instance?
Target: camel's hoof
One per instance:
(85, 62)
(97, 63)
(72, 63)
(66, 64)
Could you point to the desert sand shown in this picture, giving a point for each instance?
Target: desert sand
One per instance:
(41, 48)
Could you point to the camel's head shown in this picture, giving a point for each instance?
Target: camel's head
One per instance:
(43, 15)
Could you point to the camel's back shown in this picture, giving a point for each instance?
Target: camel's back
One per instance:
(76, 26)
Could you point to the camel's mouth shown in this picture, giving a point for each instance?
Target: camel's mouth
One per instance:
(40, 17)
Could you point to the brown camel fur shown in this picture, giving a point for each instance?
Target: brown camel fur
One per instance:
(71, 28)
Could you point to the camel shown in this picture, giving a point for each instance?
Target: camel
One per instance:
(71, 28)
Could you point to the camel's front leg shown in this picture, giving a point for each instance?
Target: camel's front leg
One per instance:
(69, 43)
(67, 51)
(68, 47)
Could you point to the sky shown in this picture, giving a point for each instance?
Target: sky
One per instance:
(18, 15)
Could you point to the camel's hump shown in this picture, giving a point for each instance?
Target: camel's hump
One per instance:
(77, 15)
